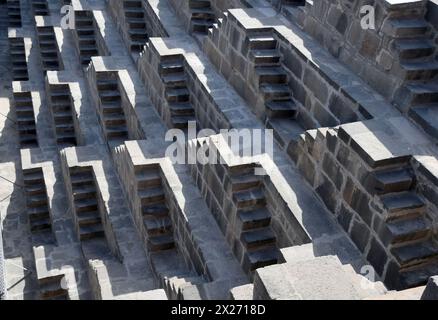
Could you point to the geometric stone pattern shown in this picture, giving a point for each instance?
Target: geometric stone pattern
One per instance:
(92, 206)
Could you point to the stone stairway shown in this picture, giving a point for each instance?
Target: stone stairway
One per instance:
(86, 37)
(18, 58)
(253, 219)
(51, 288)
(40, 7)
(177, 93)
(87, 209)
(61, 109)
(111, 111)
(412, 42)
(156, 219)
(406, 231)
(14, 13)
(37, 201)
(25, 118)
(280, 111)
(136, 24)
(48, 48)
(203, 16)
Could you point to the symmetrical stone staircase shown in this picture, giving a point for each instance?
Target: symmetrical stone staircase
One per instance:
(110, 103)
(48, 48)
(61, 109)
(203, 16)
(86, 204)
(253, 218)
(136, 24)
(156, 220)
(14, 13)
(37, 201)
(51, 288)
(25, 118)
(406, 231)
(40, 7)
(413, 44)
(85, 36)
(17, 52)
(177, 93)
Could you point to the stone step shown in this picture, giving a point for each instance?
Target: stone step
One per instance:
(28, 141)
(84, 205)
(406, 230)
(414, 48)
(271, 75)
(253, 219)
(109, 95)
(151, 195)
(414, 254)
(181, 122)
(133, 13)
(111, 107)
(275, 91)
(89, 218)
(61, 128)
(260, 258)
(158, 210)
(84, 192)
(35, 189)
(110, 85)
(420, 93)
(67, 139)
(91, 231)
(262, 42)
(63, 117)
(421, 70)
(177, 95)
(148, 178)
(403, 204)
(257, 238)
(248, 168)
(81, 179)
(52, 290)
(396, 180)
(405, 27)
(419, 276)
(175, 80)
(132, 4)
(161, 242)
(426, 117)
(203, 13)
(201, 25)
(40, 225)
(181, 109)
(114, 119)
(196, 4)
(157, 226)
(116, 132)
(36, 200)
(270, 57)
(244, 182)
(249, 198)
(33, 178)
(172, 67)
(38, 213)
(281, 109)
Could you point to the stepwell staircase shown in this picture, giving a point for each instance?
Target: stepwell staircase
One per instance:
(86, 37)
(412, 42)
(135, 24)
(86, 206)
(406, 231)
(25, 118)
(48, 48)
(203, 16)
(18, 59)
(156, 219)
(253, 218)
(111, 111)
(14, 13)
(62, 114)
(177, 94)
(272, 80)
(37, 202)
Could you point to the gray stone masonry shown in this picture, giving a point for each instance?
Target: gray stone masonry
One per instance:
(431, 292)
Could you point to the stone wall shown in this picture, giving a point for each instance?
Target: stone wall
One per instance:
(369, 53)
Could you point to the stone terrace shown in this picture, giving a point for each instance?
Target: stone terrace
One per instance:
(92, 206)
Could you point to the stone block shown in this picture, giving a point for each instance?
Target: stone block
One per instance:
(431, 291)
